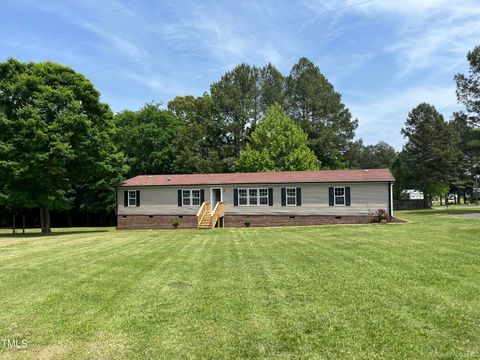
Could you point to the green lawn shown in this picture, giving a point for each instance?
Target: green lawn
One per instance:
(407, 291)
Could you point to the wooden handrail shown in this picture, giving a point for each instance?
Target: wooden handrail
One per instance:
(202, 211)
(218, 212)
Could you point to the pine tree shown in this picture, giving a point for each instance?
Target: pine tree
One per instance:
(430, 152)
(315, 105)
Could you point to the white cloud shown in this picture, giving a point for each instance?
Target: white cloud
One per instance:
(430, 33)
(118, 42)
(383, 117)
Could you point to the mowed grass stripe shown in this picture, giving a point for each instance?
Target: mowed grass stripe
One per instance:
(399, 291)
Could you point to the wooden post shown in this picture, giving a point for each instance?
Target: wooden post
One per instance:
(23, 223)
(13, 223)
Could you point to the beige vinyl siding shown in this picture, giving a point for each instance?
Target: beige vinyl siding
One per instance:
(365, 196)
(161, 200)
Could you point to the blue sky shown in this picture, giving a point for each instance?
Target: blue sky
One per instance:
(383, 56)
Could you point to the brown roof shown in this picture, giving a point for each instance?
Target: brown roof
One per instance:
(316, 176)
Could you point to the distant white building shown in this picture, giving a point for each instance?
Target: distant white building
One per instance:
(412, 194)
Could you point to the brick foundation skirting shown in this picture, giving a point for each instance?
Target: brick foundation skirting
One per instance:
(190, 221)
(130, 222)
(292, 220)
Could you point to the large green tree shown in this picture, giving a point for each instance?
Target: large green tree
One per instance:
(271, 84)
(468, 144)
(277, 144)
(236, 98)
(201, 145)
(466, 123)
(55, 137)
(431, 151)
(400, 171)
(147, 137)
(313, 103)
(468, 87)
(380, 155)
(241, 98)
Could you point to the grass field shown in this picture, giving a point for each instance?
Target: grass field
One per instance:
(405, 291)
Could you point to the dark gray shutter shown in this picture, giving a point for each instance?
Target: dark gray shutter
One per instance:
(138, 197)
(347, 196)
(202, 196)
(125, 198)
(179, 193)
(331, 200)
(235, 197)
(270, 196)
(299, 196)
(284, 197)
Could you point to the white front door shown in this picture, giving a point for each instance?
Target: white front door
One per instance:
(216, 195)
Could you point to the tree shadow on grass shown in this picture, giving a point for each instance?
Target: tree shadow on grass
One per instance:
(7, 233)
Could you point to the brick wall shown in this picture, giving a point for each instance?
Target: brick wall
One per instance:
(126, 222)
(286, 220)
(190, 221)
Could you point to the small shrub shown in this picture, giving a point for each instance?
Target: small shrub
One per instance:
(175, 224)
(247, 223)
(379, 216)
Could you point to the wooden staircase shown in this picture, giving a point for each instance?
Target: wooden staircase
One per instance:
(207, 219)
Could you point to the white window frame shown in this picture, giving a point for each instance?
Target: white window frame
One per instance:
(134, 198)
(190, 197)
(290, 196)
(262, 197)
(243, 197)
(335, 196)
(256, 197)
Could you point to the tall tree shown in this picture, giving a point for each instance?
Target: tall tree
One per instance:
(468, 87)
(380, 155)
(237, 97)
(468, 143)
(277, 144)
(271, 84)
(55, 135)
(314, 104)
(201, 145)
(467, 123)
(400, 171)
(147, 137)
(353, 153)
(430, 150)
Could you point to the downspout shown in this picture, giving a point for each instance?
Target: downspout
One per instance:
(390, 200)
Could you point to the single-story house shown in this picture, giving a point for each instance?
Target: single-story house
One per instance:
(254, 199)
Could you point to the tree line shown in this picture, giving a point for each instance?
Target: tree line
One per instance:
(62, 148)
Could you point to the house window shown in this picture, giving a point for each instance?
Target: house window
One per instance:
(339, 193)
(242, 197)
(263, 196)
(253, 197)
(132, 198)
(186, 197)
(191, 197)
(196, 197)
(291, 196)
